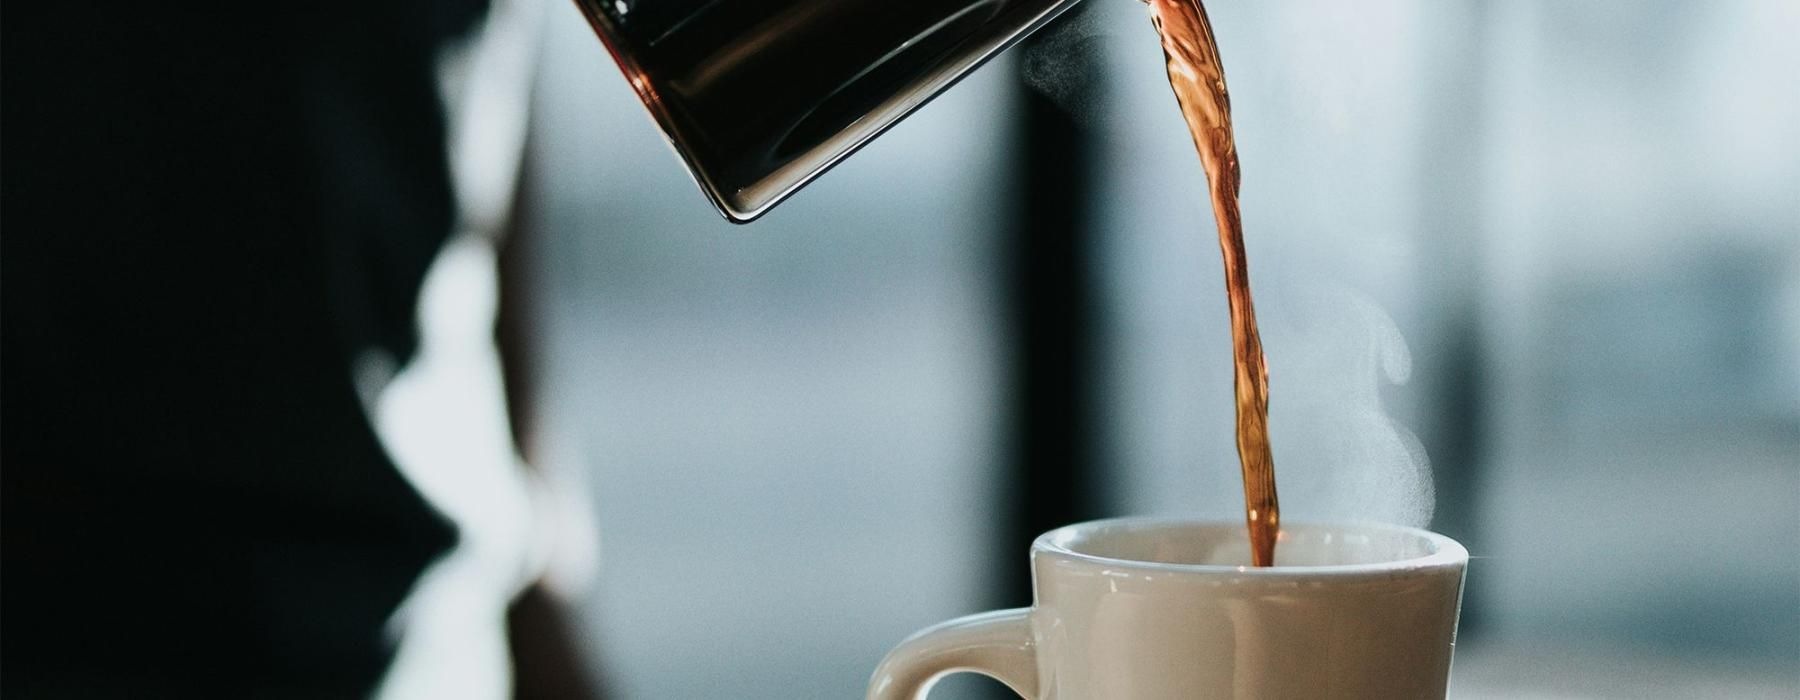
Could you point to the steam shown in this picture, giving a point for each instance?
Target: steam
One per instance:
(1339, 456)
(1067, 62)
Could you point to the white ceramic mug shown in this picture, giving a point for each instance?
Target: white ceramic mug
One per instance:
(1138, 608)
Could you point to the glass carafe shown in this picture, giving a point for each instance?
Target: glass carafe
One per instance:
(761, 96)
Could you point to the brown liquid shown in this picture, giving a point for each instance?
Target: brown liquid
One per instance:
(1199, 83)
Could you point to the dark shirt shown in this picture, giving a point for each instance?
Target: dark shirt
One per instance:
(207, 212)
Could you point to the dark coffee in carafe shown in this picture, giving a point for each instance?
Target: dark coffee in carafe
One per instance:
(760, 96)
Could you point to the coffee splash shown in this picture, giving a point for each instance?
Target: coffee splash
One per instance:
(1198, 80)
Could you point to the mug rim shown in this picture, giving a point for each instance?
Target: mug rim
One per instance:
(1447, 553)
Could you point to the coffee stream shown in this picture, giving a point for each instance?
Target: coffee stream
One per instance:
(1199, 83)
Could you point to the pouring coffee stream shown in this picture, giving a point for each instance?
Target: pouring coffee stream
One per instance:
(760, 98)
(1198, 78)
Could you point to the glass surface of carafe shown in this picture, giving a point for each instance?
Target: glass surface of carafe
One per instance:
(761, 96)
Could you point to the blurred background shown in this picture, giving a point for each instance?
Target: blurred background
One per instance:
(806, 438)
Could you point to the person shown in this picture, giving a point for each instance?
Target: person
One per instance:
(222, 223)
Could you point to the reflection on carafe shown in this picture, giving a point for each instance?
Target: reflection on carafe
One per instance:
(761, 96)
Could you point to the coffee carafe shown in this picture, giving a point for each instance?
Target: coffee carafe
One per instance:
(761, 96)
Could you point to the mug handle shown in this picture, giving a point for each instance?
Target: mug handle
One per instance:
(995, 644)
